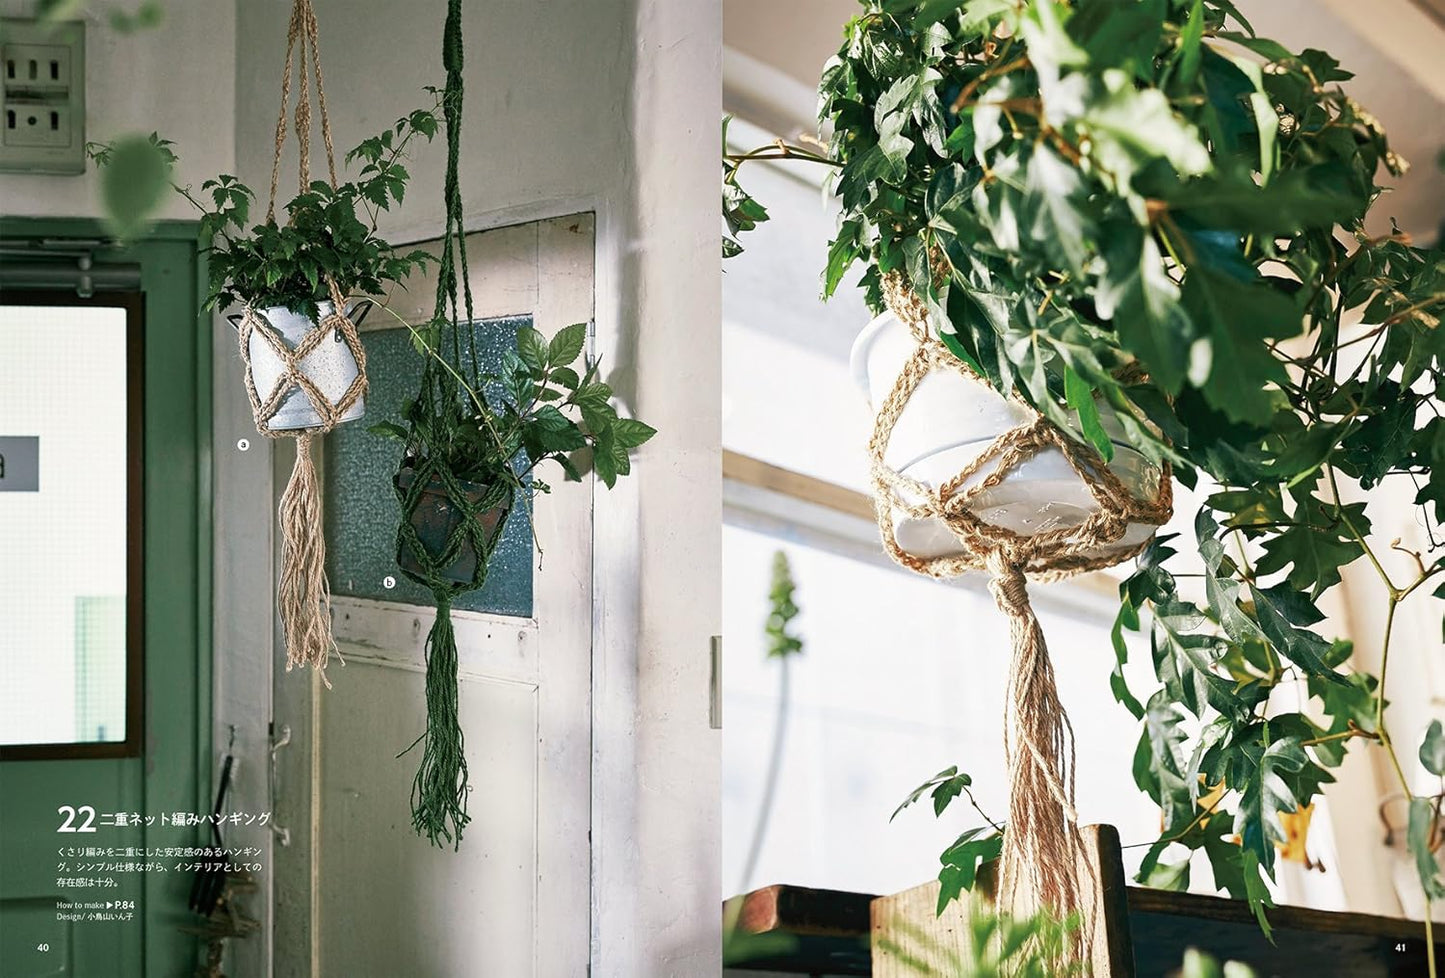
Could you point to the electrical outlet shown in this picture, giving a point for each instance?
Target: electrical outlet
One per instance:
(36, 68)
(36, 124)
(42, 96)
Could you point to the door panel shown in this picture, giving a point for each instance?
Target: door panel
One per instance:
(464, 911)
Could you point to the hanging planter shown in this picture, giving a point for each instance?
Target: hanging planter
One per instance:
(326, 368)
(951, 420)
(436, 521)
(1119, 242)
(473, 442)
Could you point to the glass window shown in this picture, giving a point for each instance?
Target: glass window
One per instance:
(361, 505)
(69, 465)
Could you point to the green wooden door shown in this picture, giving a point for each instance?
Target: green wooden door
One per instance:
(172, 774)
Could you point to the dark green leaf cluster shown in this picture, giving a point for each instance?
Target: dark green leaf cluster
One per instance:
(1218, 663)
(328, 232)
(535, 408)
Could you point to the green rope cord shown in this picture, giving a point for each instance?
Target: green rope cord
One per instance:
(439, 791)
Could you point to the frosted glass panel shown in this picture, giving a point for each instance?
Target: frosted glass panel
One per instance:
(362, 511)
(63, 518)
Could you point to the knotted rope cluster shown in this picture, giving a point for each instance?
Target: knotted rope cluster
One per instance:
(1042, 862)
(303, 593)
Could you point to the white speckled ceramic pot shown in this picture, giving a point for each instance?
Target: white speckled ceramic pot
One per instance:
(331, 366)
(951, 419)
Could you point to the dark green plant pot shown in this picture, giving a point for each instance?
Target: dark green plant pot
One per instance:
(436, 518)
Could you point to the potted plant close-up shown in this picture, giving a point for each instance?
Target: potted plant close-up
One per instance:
(1110, 246)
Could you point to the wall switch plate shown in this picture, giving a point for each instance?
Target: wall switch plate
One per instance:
(42, 96)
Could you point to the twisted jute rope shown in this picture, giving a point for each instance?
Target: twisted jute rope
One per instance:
(303, 594)
(1043, 862)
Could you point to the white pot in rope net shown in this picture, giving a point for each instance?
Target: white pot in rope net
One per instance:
(331, 366)
(951, 419)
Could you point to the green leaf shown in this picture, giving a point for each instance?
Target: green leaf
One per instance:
(1432, 749)
(1143, 303)
(532, 348)
(566, 346)
(1132, 127)
(962, 859)
(1168, 876)
(630, 432)
(949, 781)
(842, 253)
(389, 429)
(1158, 764)
(1419, 835)
(1053, 202)
(1255, 891)
(1080, 396)
(1236, 317)
(1275, 607)
(1313, 553)
(549, 430)
(1266, 793)
(133, 183)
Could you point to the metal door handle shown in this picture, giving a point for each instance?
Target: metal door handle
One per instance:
(283, 834)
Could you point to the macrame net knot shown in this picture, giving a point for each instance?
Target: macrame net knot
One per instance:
(1042, 864)
(293, 375)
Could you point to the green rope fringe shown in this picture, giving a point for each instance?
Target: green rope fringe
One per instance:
(439, 791)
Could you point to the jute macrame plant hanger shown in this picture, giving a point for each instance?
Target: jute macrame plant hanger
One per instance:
(439, 790)
(303, 594)
(1043, 862)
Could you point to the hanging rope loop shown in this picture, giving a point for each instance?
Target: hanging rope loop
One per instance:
(302, 35)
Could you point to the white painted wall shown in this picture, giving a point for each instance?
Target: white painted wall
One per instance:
(177, 79)
(612, 106)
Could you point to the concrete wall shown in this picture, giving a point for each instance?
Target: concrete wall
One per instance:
(177, 79)
(610, 106)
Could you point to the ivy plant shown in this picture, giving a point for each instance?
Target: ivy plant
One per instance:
(535, 408)
(328, 231)
(1145, 205)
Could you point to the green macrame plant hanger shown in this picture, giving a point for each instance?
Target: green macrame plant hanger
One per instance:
(449, 528)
